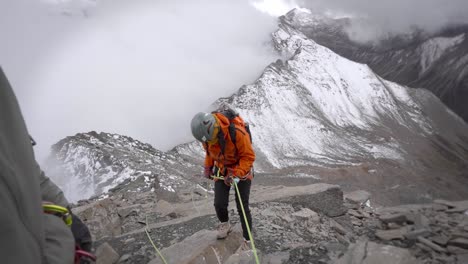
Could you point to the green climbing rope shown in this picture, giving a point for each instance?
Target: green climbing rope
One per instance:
(244, 215)
(152, 243)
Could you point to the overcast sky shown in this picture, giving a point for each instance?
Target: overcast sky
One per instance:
(140, 68)
(143, 68)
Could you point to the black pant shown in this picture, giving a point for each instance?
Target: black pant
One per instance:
(221, 203)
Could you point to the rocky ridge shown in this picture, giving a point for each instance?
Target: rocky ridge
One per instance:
(291, 226)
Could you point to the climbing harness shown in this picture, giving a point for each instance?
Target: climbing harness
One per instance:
(236, 181)
(152, 243)
(59, 211)
(80, 254)
(66, 216)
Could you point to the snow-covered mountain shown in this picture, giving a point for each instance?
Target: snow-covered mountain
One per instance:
(315, 114)
(90, 164)
(320, 108)
(438, 62)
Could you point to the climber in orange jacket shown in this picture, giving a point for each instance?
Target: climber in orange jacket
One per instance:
(229, 153)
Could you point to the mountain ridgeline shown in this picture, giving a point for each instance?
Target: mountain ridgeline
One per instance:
(315, 116)
(437, 61)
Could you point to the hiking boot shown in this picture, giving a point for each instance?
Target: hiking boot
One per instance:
(223, 230)
(245, 246)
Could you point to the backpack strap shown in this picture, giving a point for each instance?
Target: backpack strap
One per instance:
(221, 141)
(232, 133)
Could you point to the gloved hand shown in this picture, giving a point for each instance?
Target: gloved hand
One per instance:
(208, 172)
(228, 178)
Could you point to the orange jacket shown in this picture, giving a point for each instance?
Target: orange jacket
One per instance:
(240, 157)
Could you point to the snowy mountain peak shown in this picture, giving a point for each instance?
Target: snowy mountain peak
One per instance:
(435, 61)
(94, 163)
(312, 113)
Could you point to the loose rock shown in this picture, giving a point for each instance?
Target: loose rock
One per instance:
(106, 254)
(431, 245)
(358, 197)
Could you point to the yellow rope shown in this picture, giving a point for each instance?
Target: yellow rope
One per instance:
(152, 243)
(245, 218)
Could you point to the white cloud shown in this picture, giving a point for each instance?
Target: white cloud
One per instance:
(139, 68)
(275, 7)
(387, 17)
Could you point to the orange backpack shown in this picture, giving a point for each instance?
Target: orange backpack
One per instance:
(235, 122)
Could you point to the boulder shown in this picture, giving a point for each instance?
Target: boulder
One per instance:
(392, 234)
(324, 198)
(358, 197)
(440, 240)
(106, 254)
(398, 218)
(455, 207)
(202, 247)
